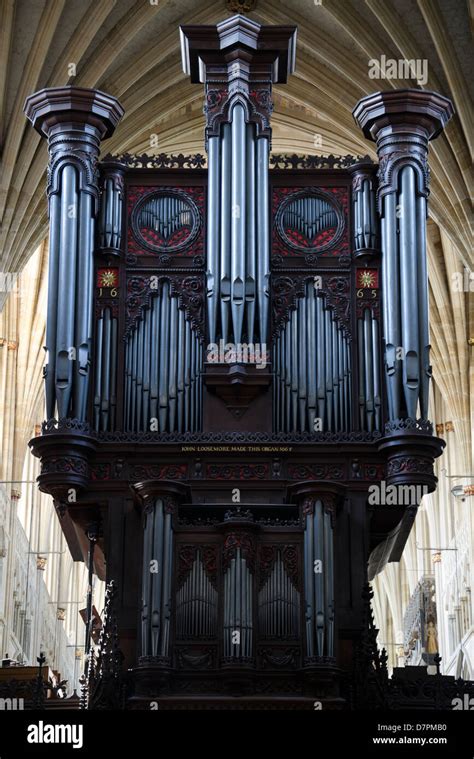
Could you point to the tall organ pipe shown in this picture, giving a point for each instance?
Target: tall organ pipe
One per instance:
(263, 237)
(213, 229)
(423, 311)
(156, 587)
(408, 284)
(318, 579)
(391, 310)
(67, 291)
(402, 123)
(238, 233)
(238, 221)
(251, 231)
(83, 316)
(226, 173)
(51, 320)
(74, 122)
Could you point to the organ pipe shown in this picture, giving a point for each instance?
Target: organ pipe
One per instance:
(196, 604)
(312, 369)
(156, 585)
(319, 579)
(238, 254)
(402, 123)
(366, 236)
(369, 371)
(238, 609)
(278, 604)
(105, 392)
(163, 358)
(111, 207)
(75, 120)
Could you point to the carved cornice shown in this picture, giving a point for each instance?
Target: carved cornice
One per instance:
(313, 162)
(238, 60)
(159, 161)
(358, 436)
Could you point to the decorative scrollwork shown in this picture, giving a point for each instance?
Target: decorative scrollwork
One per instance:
(409, 464)
(288, 287)
(159, 472)
(64, 465)
(294, 161)
(160, 161)
(294, 234)
(240, 438)
(237, 471)
(315, 472)
(188, 289)
(245, 542)
(51, 426)
(420, 426)
(287, 659)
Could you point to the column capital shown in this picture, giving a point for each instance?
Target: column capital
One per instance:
(53, 106)
(169, 491)
(206, 49)
(238, 59)
(307, 493)
(402, 122)
(419, 111)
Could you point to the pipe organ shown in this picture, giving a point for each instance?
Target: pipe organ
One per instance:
(237, 350)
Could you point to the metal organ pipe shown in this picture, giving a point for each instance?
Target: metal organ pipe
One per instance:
(213, 229)
(238, 234)
(163, 357)
(423, 311)
(251, 231)
(391, 310)
(263, 237)
(318, 579)
(226, 173)
(156, 588)
(313, 374)
(320, 598)
(66, 291)
(402, 127)
(408, 284)
(74, 135)
(238, 220)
